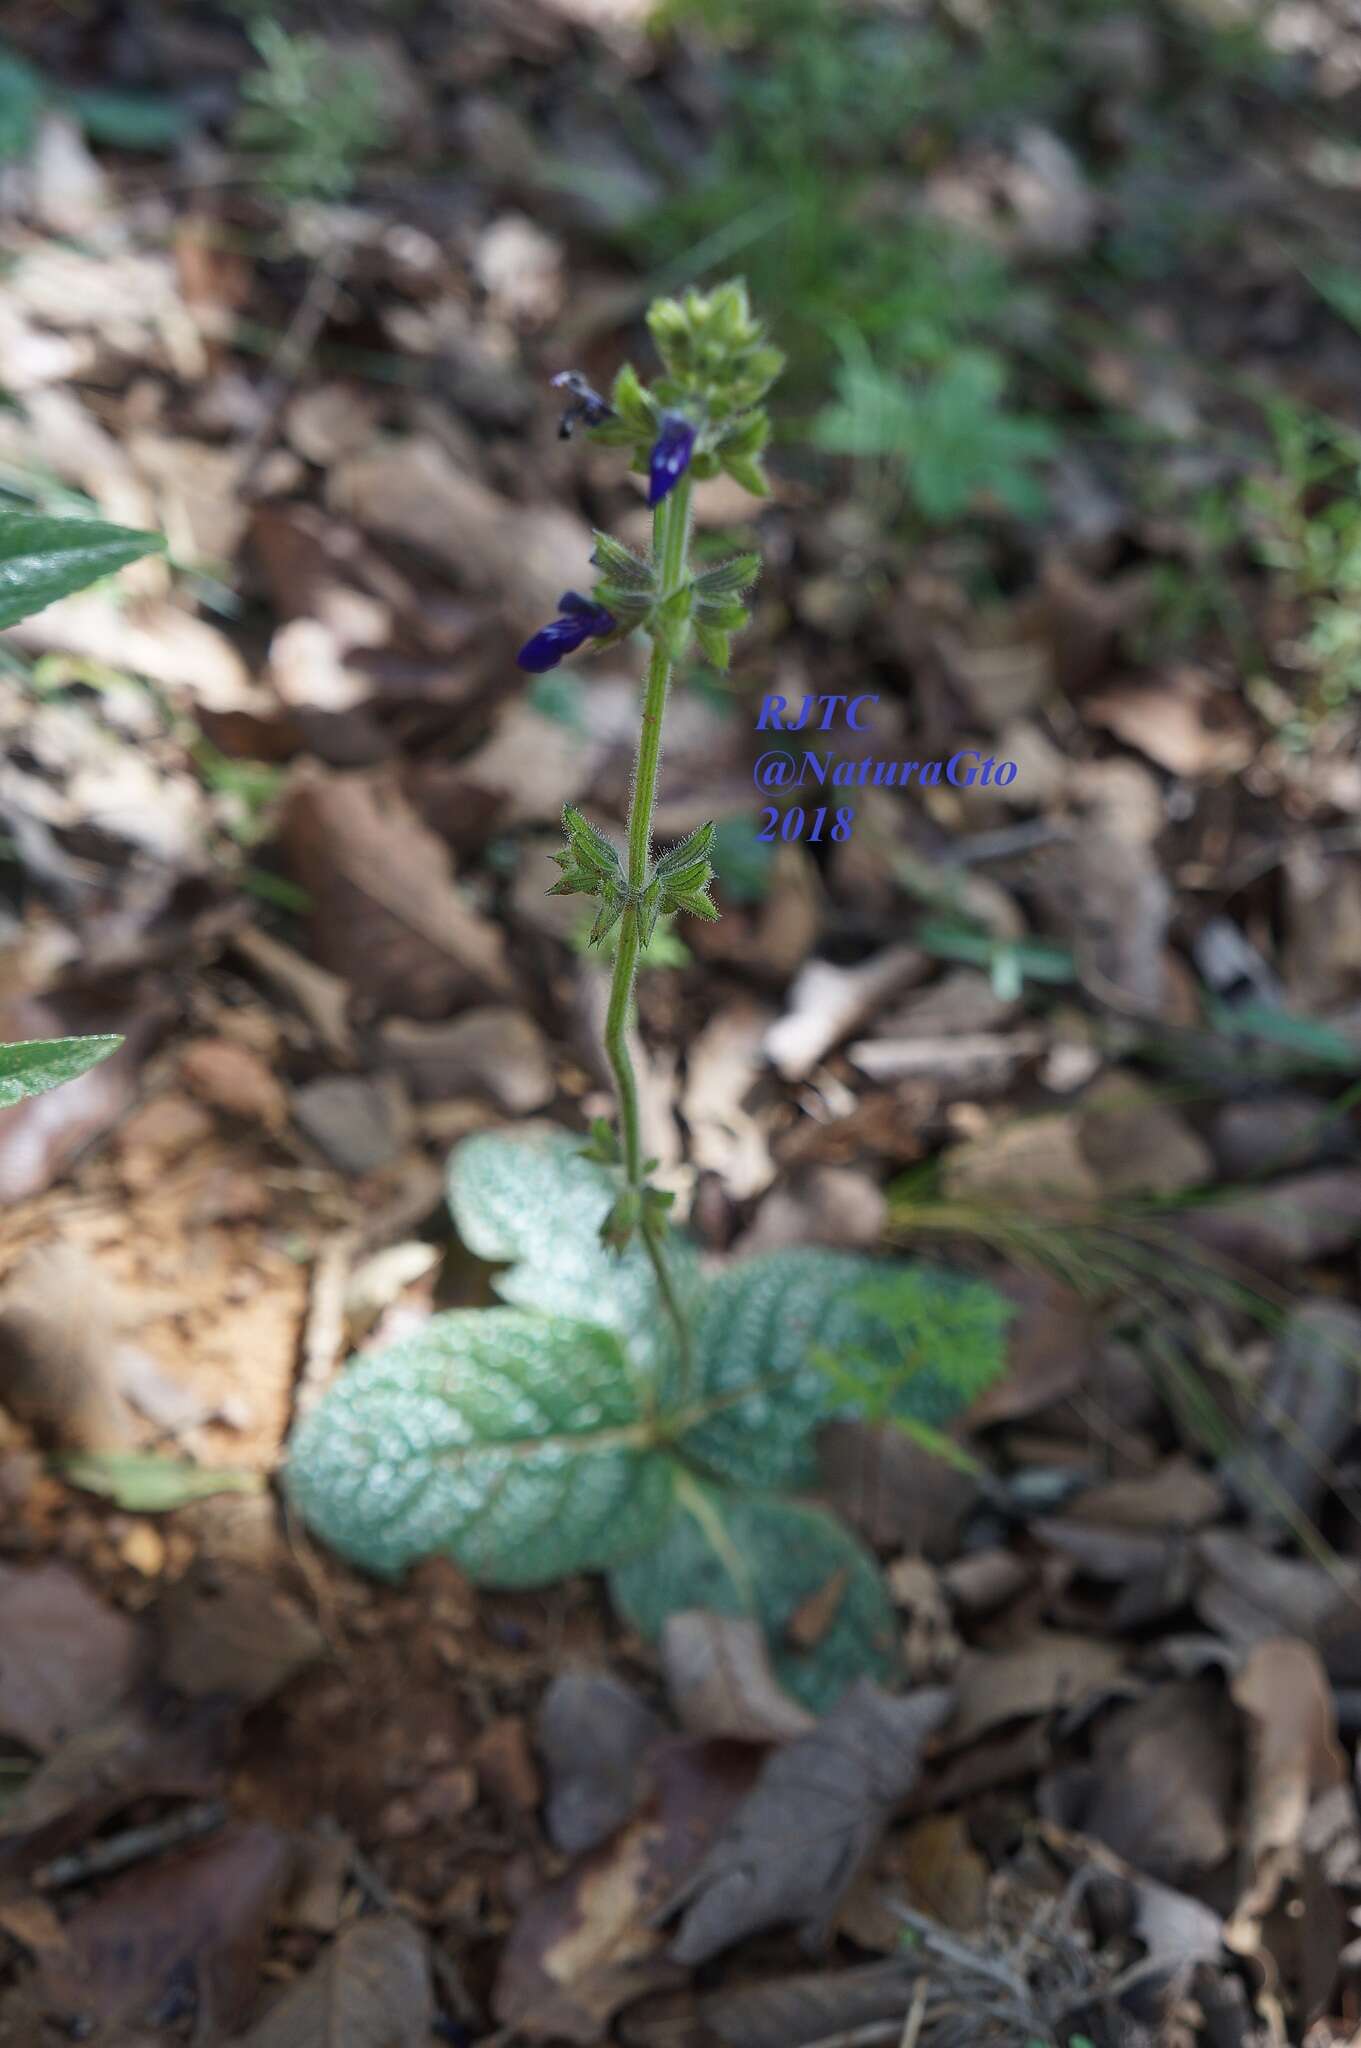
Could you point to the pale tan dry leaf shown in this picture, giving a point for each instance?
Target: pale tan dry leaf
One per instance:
(1051, 1671)
(1183, 721)
(231, 1077)
(327, 422)
(150, 639)
(199, 502)
(720, 1682)
(1033, 1155)
(411, 491)
(60, 1325)
(588, 1944)
(69, 192)
(521, 270)
(827, 1002)
(723, 1066)
(385, 911)
(1136, 1143)
(491, 1050)
(371, 1989)
(1293, 1756)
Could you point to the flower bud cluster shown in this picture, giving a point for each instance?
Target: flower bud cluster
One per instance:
(703, 415)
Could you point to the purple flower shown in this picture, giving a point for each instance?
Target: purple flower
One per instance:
(671, 452)
(587, 404)
(579, 620)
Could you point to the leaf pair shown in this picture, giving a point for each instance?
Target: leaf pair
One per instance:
(555, 1436)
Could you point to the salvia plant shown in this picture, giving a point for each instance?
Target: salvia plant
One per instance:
(626, 1411)
(41, 560)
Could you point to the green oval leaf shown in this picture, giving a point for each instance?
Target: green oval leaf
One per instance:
(742, 1554)
(534, 1199)
(512, 1441)
(44, 559)
(34, 1065)
(920, 1343)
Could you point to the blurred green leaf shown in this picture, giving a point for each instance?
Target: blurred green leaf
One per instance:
(42, 560)
(147, 1485)
(129, 120)
(34, 1065)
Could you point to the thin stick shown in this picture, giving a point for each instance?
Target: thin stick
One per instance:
(133, 1845)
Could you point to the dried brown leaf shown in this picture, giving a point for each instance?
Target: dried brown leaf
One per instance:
(66, 1659)
(719, 1679)
(59, 1333)
(225, 1630)
(795, 1845)
(588, 1944)
(187, 1932)
(592, 1733)
(385, 912)
(371, 1989)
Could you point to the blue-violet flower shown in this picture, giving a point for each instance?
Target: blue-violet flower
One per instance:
(671, 452)
(579, 620)
(587, 404)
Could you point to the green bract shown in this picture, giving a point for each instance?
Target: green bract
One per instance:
(559, 1435)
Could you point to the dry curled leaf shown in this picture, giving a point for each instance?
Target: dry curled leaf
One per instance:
(592, 1734)
(371, 1989)
(187, 1930)
(226, 1630)
(59, 1330)
(385, 911)
(798, 1840)
(720, 1682)
(65, 1658)
(589, 1943)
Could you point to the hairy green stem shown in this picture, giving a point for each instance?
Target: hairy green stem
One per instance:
(670, 547)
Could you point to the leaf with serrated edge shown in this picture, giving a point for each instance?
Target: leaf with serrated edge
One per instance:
(44, 559)
(738, 1553)
(533, 1199)
(34, 1065)
(762, 1322)
(511, 1441)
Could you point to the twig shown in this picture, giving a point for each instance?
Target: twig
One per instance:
(323, 1337)
(912, 2025)
(133, 1845)
(299, 340)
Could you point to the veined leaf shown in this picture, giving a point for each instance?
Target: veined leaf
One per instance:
(34, 1065)
(931, 1340)
(44, 559)
(745, 1554)
(512, 1441)
(533, 1199)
